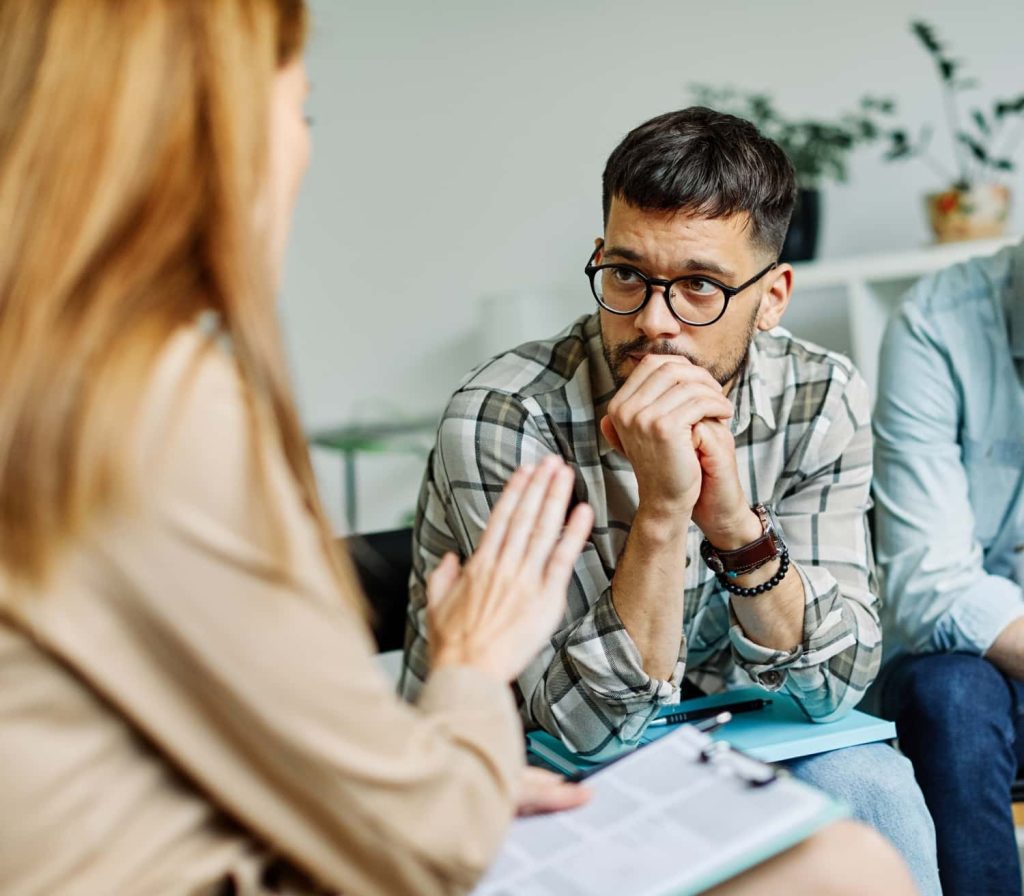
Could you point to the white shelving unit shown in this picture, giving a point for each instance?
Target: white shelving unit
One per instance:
(844, 304)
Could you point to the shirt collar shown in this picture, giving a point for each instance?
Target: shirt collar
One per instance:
(750, 394)
(602, 383)
(1016, 302)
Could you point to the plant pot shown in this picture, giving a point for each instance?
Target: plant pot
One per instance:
(980, 212)
(802, 237)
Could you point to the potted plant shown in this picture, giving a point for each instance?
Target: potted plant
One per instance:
(975, 202)
(819, 149)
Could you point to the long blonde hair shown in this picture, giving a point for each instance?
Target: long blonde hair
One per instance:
(132, 150)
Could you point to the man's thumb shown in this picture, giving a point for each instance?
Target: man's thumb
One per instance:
(610, 433)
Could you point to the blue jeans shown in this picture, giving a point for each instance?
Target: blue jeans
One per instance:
(878, 784)
(961, 723)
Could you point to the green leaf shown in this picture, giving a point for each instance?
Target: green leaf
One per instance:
(816, 147)
(926, 34)
(981, 122)
(977, 150)
(867, 130)
(1009, 107)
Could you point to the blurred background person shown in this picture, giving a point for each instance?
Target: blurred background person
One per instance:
(949, 481)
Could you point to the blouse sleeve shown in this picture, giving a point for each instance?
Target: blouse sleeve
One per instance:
(263, 690)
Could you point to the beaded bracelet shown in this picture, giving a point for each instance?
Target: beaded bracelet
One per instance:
(764, 586)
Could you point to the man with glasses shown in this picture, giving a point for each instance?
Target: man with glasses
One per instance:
(949, 456)
(728, 465)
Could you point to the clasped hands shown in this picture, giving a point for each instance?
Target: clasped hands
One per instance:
(671, 421)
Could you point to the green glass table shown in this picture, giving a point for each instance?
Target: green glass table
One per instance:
(412, 436)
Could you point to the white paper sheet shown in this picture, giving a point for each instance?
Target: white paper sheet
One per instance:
(660, 821)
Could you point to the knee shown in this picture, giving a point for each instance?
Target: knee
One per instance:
(939, 693)
(888, 775)
(844, 859)
(860, 850)
(879, 786)
(868, 775)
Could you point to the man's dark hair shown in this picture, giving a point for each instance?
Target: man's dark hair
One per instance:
(706, 163)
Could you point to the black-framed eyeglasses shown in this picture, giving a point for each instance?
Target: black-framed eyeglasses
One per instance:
(693, 299)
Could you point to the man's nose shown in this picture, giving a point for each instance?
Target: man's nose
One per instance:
(655, 320)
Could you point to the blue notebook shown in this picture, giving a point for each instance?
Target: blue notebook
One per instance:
(779, 731)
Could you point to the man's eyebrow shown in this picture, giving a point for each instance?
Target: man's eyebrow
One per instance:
(707, 266)
(690, 264)
(623, 252)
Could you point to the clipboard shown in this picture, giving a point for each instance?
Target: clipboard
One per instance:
(673, 819)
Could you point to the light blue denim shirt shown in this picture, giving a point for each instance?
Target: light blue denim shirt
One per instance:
(949, 458)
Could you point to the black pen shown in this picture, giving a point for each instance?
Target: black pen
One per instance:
(692, 715)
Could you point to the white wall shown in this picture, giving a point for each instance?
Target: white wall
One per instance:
(458, 153)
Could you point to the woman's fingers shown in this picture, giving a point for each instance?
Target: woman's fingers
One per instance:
(445, 619)
(524, 517)
(550, 518)
(494, 533)
(514, 587)
(563, 558)
(440, 581)
(544, 791)
(495, 570)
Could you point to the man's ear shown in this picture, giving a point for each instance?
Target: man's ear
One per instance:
(598, 244)
(779, 281)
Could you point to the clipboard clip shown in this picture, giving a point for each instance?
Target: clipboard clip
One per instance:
(753, 772)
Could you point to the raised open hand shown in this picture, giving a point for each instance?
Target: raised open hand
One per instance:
(495, 611)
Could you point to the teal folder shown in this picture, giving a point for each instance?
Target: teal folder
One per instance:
(777, 732)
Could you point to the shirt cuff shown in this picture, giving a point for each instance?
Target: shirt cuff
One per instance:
(765, 665)
(771, 668)
(978, 615)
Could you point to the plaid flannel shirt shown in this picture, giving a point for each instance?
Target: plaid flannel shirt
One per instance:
(803, 441)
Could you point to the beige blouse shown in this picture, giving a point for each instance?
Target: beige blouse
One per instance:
(173, 719)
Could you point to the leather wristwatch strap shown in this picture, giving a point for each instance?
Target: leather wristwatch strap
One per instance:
(750, 556)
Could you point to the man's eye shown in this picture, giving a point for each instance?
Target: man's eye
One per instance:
(698, 286)
(625, 277)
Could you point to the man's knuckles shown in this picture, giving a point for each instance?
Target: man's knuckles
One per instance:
(678, 366)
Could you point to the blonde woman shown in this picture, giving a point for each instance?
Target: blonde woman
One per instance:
(188, 697)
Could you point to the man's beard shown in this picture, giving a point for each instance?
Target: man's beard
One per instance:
(723, 370)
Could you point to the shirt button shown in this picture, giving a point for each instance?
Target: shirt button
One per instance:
(772, 678)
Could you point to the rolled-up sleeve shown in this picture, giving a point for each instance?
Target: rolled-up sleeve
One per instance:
(587, 686)
(823, 519)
